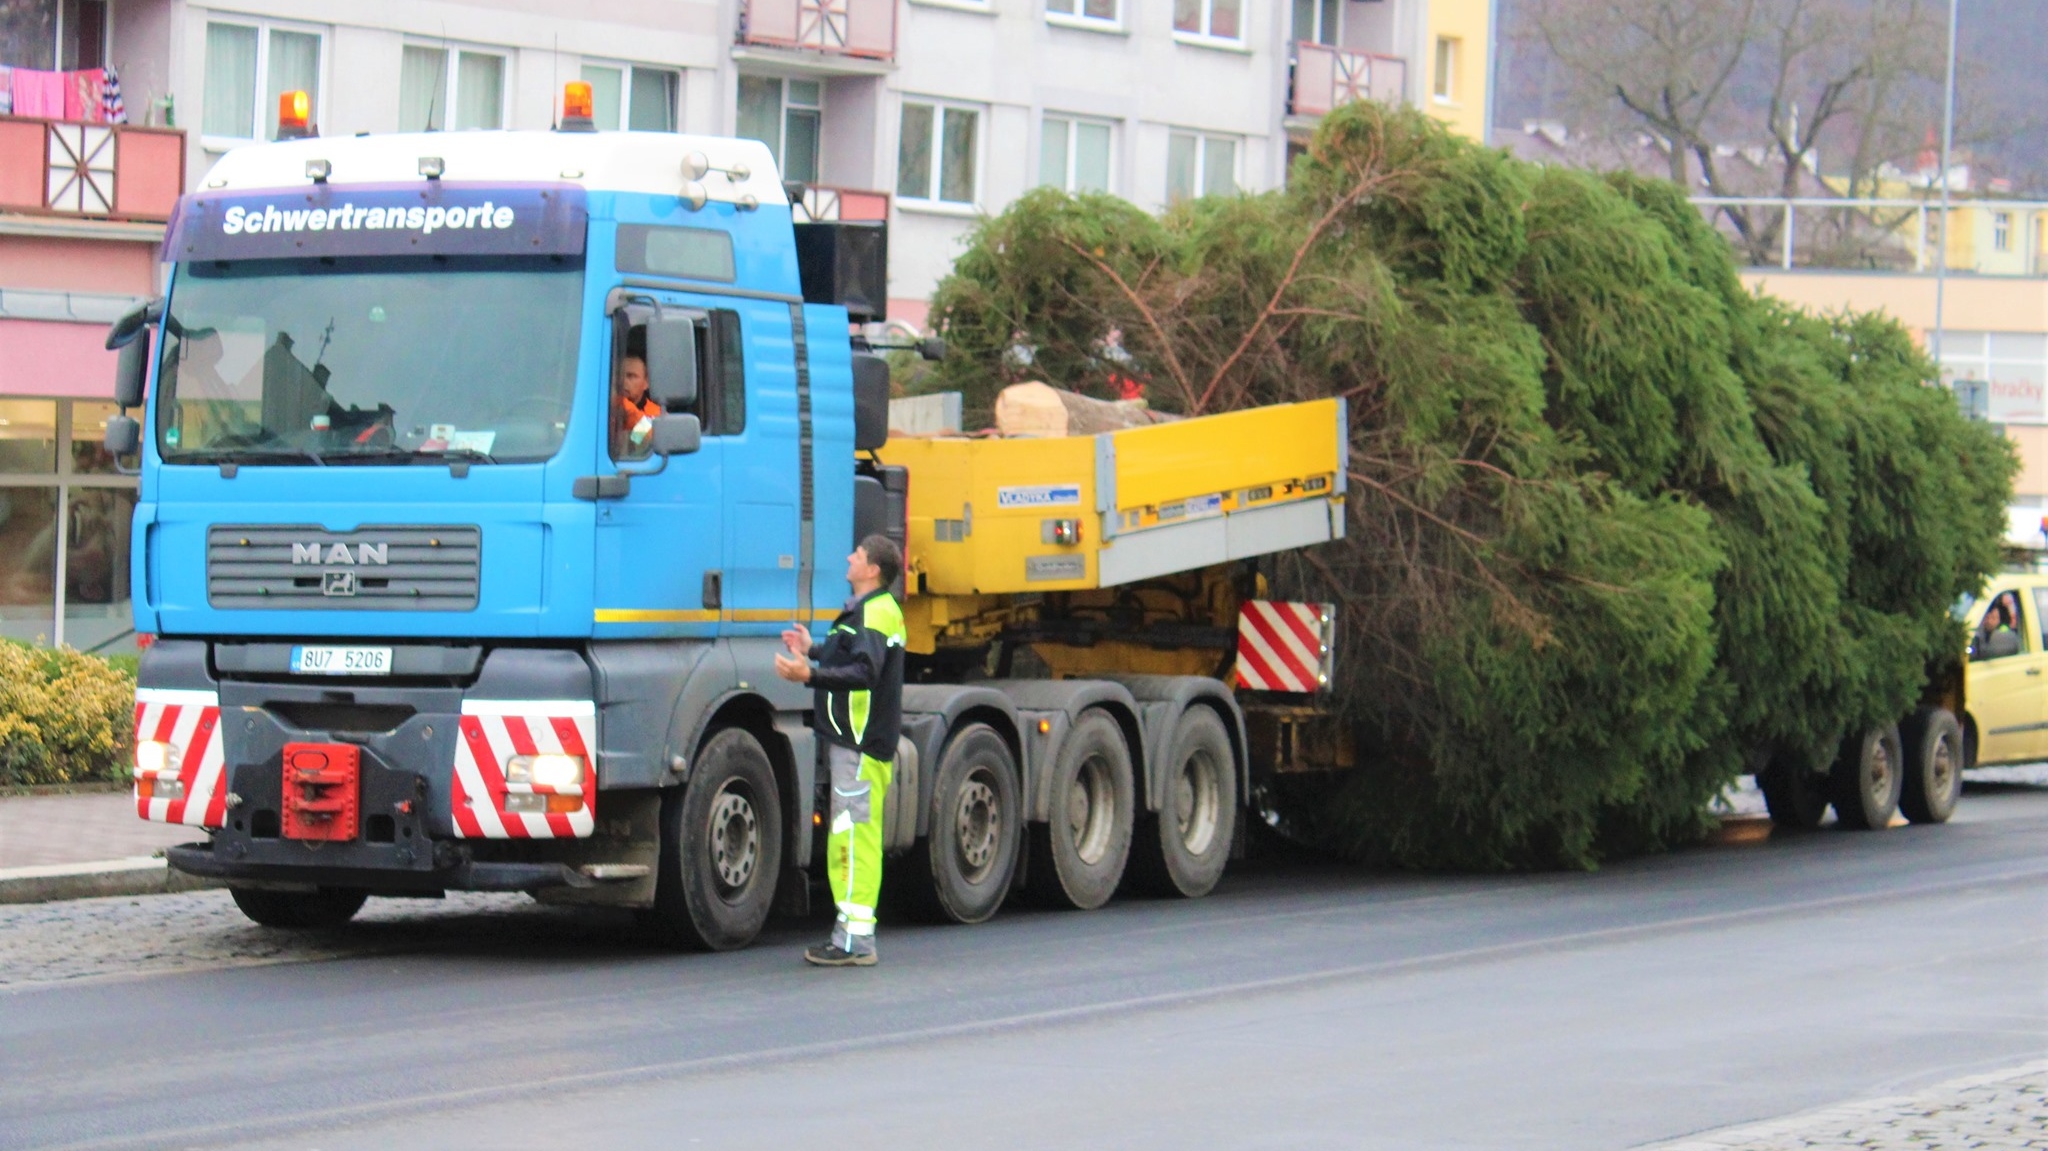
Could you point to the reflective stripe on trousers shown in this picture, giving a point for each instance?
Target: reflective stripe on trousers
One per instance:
(853, 850)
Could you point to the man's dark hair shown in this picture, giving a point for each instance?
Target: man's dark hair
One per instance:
(883, 553)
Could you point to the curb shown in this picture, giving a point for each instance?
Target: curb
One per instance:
(138, 875)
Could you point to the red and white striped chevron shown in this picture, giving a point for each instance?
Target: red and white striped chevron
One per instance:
(1284, 646)
(190, 722)
(494, 731)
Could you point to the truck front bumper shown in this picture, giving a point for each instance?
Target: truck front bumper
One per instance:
(445, 867)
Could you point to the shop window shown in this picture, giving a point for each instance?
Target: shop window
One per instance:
(97, 611)
(28, 437)
(28, 562)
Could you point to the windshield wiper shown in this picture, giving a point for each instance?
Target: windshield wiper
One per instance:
(260, 456)
(464, 454)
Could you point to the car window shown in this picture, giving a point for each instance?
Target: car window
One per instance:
(2000, 633)
(2041, 614)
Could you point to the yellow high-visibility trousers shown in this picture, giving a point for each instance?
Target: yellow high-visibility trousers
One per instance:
(853, 850)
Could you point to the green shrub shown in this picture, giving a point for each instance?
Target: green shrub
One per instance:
(65, 717)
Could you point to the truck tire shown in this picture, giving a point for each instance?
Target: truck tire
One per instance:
(300, 910)
(1933, 743)
(961, 872)
(1182, 849)
(1796, 797)
(721, 848)
(1078, 856)
(1867, 779)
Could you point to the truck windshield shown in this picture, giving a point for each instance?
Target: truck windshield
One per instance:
(317, 362)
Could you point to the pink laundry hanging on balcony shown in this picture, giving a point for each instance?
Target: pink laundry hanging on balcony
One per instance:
(38, 93)
(82, 94)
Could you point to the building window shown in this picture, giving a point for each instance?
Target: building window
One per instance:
(628, 97)
(64, 526)
(1199, 165)
(1216, 18)
(248, 66)
(1088, 12)
(1447, 51)
(1074, 154)
(935, 155)
(789, 117)
(2001, 231)
(434, 81)
(1315, 21)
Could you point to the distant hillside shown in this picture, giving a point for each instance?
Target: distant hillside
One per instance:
(2002, 85)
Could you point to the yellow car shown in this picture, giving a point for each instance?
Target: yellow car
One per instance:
(2006, 679)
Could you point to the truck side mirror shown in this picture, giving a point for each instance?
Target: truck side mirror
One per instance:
(133, 321)
(131, 370)
(870, 402)
(672, 361)
(124, 436)
(675, 435)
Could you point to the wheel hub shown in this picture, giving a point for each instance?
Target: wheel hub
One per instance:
(1091, 811)
(975, 820)
(1195, 803)
(735, 839)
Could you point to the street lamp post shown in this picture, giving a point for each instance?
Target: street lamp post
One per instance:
(1948, 133)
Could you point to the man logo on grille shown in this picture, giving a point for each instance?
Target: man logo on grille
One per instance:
(337, 583)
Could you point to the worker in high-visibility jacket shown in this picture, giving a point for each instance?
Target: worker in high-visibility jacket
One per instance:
(858, 677)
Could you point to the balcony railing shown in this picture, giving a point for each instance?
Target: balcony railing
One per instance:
(858, 28)
(1326, 78)
(102, 171)
(824, 204)
(1882, 234)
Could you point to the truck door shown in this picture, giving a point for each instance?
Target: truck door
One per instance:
(658, 545)
(2008, 692)
(763, 464)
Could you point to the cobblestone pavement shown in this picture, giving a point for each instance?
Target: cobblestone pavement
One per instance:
(48, 943)
(36, 829)
(2002, 1111)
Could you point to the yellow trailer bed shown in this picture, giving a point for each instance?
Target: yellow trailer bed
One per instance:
(999, 517)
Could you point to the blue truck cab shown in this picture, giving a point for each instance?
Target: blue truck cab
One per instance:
(441, 599)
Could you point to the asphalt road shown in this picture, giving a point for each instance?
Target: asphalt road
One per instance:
(1299, 1006)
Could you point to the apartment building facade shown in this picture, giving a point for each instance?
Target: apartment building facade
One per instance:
(926, 113)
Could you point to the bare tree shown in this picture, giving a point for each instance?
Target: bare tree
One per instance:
(1785, 84)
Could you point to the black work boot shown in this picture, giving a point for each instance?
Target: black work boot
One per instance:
(833, 955)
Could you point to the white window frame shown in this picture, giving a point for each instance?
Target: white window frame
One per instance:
(453, 74)
(2001, 231)
(1444, 85)
(625, 70)
(262, 27)
(1207, 38)
(1203, 140)
(1078, 18)
(1073, 139)
(931, 201)
(782, 108)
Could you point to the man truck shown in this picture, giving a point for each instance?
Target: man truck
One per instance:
(433, 609)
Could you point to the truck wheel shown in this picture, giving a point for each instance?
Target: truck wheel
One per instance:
(1867, 778)
(1182, 850)
(1797, 798)
(721, 848)
(1934, 765)
(324, 907)
(962, 870)
(1078, 856)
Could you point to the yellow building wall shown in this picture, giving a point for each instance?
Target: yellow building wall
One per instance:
(1971, 304)
(1463, 107)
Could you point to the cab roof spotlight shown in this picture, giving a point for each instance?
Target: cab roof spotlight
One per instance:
(432, 166)
(318, 171)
